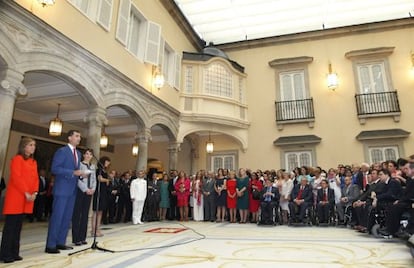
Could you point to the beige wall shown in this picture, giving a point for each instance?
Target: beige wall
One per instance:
(336, 121)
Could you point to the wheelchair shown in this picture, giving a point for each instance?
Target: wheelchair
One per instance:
(309, 219)
(332, 218)
(272, 219)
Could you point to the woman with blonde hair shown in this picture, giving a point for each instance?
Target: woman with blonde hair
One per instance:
(21, 193)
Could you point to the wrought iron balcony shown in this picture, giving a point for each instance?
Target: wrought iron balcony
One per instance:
(377, 103)
(294, 110)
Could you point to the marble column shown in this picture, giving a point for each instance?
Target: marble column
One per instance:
(11, 86)
(96, 119)
(173, 149)
(143, 137)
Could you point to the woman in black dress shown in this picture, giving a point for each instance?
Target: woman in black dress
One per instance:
(100, 197)
(220, 187)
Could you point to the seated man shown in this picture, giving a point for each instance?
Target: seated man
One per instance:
(405, 203)
(269, 200)
(302, 198)
(325, 201)
(349, 194)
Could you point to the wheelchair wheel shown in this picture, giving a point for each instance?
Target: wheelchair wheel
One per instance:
(375, 231)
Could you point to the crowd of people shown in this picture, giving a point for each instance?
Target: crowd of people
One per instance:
(348, 195)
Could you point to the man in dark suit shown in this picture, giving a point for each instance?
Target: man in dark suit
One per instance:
(269, 197)
(362, 177)
(325, 201)
(65, 167)
(173, 213)
(405, 203)
(40, 202)
(302, 198)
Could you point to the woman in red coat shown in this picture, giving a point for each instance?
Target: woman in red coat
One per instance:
(182, 188)
(21, 193)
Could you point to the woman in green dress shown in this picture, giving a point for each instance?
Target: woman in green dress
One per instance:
(165, 196)
(242, 195)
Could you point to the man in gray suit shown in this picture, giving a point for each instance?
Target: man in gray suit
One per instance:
(209, 197)
(350, 193)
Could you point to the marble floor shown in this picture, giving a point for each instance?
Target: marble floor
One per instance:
(205, 244)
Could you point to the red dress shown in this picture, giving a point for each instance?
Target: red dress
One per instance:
(231, 190)
(254, 204)
(182, 188)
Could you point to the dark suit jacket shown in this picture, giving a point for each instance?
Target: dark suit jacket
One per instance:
(307, 194)
(392, 191)
(408, 193)
(331, 196)
(359, 180)
(63, 166)
(274, 191)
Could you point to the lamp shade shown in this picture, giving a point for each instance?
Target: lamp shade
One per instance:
(55, 127)
(159, 80)
(135, 149)
(103, 141)
(209, 147)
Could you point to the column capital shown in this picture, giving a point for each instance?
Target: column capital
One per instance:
(96, 115)
(11, 83)
(174, 147)
(144, 135)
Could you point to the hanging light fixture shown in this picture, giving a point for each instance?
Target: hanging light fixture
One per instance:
(332, 78)
(104, 139)
(158, 77)
(56, 125)
(135, 150)
(46, 2)
(209, 145)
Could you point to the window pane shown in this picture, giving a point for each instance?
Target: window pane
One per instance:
(365, 80)
(292, 161)
(217, 162)
(376, 156)
(305, 159)
(378, 79)
(390, 154)
(228, 162)
(298, 84)
(218, 81)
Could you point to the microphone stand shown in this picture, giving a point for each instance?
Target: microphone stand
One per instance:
(95, 243)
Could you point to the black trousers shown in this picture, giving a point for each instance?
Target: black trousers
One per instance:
(394, 212)
(323, 212)
(80, 216)
(10, 240)
(267, 212)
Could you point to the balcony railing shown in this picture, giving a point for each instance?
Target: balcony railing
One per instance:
(377, 103)
(294, 110)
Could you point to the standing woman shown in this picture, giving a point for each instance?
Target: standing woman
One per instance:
(21, 193)
(231, 186)
(86, 189)
(242, 195)
(182, 188)
(221, 190)
(100, 204)
(164, 196)
(254, 185)
(197, 193)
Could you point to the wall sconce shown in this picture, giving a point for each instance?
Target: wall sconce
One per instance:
(209, 145)
(104, 139)
(332, 78)
(135, 150)
(56, 125)
(46, 2)
(158, 77)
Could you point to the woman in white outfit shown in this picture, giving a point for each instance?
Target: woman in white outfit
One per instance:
(197, 194)
(138, 192)
(285, 188)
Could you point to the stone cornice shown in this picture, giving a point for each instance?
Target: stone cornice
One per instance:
(107, 75)
(214, 119)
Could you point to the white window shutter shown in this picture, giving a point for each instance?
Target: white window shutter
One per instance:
(105, 14)
(177, 71)
(152, 43)
(161, 55)
(123, 21)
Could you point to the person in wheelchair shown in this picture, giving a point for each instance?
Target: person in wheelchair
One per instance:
(269, 201)
(350, 193)
(325, 202)
(404, 204)
(302, 199)
(390, 193)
